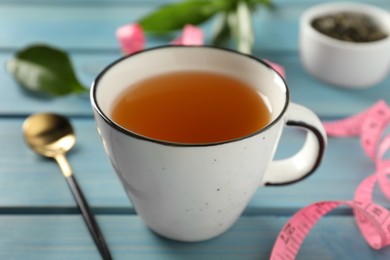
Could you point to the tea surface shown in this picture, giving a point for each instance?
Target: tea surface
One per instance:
(191, 107)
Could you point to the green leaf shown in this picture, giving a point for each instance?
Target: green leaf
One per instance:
(43, 69)
(222, 33)
(174, 16)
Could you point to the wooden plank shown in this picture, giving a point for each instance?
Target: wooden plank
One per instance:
(28, 181)
(65, 237)
(92, 26)
(326, 100)
(151, 2)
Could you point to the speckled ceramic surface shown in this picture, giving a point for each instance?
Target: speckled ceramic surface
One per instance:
(193, 192)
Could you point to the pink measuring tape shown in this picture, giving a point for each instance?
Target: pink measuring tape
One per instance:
(373, 220)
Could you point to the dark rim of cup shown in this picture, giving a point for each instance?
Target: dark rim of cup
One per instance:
(125, 131)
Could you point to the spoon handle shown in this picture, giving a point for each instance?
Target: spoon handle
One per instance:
(89, 217)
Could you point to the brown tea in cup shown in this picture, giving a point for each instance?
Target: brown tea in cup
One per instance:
(192, 107)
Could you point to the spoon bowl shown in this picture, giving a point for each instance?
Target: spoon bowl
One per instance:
(48, 134)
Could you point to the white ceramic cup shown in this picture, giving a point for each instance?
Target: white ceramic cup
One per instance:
(341, 63)
(193, 192)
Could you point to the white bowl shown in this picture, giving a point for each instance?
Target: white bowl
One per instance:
(347, 64)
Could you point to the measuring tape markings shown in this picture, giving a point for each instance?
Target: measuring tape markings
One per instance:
(372, 219)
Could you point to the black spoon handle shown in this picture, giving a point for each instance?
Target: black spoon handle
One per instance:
(89, 218)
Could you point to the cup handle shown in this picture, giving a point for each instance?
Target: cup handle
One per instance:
(308, 158)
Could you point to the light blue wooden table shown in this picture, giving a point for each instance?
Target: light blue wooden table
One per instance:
(38, 216)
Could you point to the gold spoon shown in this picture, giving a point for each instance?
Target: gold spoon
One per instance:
(51, 135)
